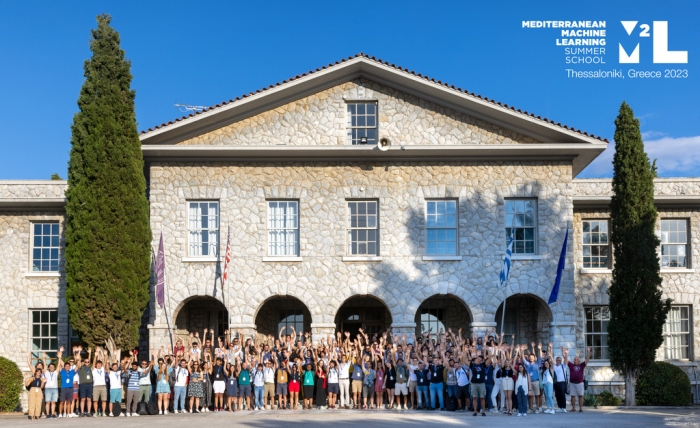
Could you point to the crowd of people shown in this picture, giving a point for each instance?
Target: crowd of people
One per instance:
(443, 371)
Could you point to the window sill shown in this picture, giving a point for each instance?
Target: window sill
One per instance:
(598, 363)
(442, 258)
(525, 257)
(282, 259)
(677, 270)
(199, 259)
(681, 363)
(42, 274)
(593, 271)
(362, 258)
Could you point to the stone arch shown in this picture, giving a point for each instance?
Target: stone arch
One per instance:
(278, 310)
(527, 316)
(198, 312)
(443, 311)
(363, 311)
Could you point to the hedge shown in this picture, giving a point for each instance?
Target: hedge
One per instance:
(11, 383)
(663, 384)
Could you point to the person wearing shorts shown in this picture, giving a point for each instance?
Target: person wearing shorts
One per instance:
(244, 390)
(333, 384)
(218, 375)
(115, 388)
(269, 384)
(85, 388)
(99, 388)
(67, 377)
(357, 377)
(478, 388)
(51, 390)
(401, 388)
(532, 366)
(576, 380)
(368, 385)
(282, 387)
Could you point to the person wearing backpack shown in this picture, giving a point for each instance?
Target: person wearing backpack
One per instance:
(462, 375)
(178, 380)
(132, 389)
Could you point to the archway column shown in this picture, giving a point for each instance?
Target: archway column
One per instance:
(320, 331)
(158, 335)
(563, 333)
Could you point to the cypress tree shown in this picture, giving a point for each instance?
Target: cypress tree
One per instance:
(107, 225)
(637, 312)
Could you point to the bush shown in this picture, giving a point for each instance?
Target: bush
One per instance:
(663, 384)
(11, 383)
(590, 400)
(606, 398)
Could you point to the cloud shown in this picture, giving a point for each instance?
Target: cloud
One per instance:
(675, 157)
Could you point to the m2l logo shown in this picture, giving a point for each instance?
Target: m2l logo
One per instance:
(659, 35)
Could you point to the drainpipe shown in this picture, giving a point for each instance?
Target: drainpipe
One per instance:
(695, 388)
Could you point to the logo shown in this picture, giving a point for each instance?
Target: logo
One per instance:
(659, 36)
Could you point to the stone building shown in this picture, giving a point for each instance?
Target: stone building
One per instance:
(365, 195)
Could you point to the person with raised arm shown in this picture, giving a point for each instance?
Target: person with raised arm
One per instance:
(532, 365)
(218, 376)
(163, 372)
(51, 385)
(86, 382)
(547, 381)
(560, 381)
(34, 384)
(436, 378)
(282, 378)
(99, 391)
(506, 375)
(576, 382)
(522, 387)
(231, 371)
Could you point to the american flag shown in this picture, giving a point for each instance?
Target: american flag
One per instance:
(227, 259)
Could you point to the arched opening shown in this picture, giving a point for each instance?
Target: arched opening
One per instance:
(366, 312)
(527, 318)
(441, 312)
(283, 313)
(198, 313)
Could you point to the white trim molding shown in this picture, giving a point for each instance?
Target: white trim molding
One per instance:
(362, 258)
(199, 259)
(442, 258)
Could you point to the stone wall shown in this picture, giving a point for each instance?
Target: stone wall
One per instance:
(401, 278)
(321, 119)
(32, 188)
(662, 187)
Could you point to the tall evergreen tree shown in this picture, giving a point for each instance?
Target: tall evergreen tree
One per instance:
(637, 312)
(107, 225)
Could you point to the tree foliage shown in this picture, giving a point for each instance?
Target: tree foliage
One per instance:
(637, 312)
(663, 384)
(107, 226)
(11, 384)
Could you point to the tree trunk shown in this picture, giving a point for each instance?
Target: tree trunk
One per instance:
(630, 384)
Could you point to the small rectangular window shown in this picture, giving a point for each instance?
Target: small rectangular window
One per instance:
(597, 319)
(45, 247)
(362, 122)
(521, 220)
(441, 227)
(283, 228)
(204, 228)
(596, 244)
(363, 228)
(674, 243)
(44, 334)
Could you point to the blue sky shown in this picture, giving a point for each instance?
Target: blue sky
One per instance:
(205, 52)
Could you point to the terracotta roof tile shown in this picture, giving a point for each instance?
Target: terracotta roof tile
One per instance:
(403, 69)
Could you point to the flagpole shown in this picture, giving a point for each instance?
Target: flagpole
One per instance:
(166, 303)
(228, 290)
(503, 313)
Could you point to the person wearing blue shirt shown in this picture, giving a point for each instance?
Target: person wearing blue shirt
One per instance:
(67, 375)
(532, 366)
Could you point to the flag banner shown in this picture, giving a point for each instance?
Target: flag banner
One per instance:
(160, 274)
(560, 269)
(227, 259)
(505, 270)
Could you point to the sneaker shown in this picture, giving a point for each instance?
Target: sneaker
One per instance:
(474, 414)
(128, 415)
(135, 414)
(122, 414)
(160, 412)
(537, 411)
(165, 412)
(111, 415)
(563, 410)
(524, 414)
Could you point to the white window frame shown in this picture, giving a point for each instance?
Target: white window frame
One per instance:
(45, 333)
(211, 231)
(350, 127)
(54, 246)
(282, 231)
(367, 228)
(445, 227)
(674, 246)
(593, 236)
(517, 220)
(604, 317)
(672, 347)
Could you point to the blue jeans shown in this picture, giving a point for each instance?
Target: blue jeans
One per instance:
(522, 400)
(548, 392)
(259, 391)
(436, 390)
(451, 390)
(180, 393)
(489, 390)
(422, 392)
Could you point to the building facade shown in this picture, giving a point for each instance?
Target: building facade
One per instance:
(363, 195)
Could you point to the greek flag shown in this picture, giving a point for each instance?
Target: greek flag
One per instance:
(505, 270)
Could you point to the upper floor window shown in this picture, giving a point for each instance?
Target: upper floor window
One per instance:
(597, 320)
(677, 336)
(441, 227)
(204, 228)
(674, 242)
(596, 244)
(283, 228)
(362, 122)
(521, 217)
(363, 228)
(45, 247)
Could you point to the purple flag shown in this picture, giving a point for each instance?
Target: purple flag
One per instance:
(160, 274)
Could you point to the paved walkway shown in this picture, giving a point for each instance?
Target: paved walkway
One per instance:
(384, 419)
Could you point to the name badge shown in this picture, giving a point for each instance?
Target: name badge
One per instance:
(391, 378)
(244, 379)
(87, 377)
(478, 375)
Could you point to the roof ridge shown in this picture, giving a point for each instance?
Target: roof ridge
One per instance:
(380, 61)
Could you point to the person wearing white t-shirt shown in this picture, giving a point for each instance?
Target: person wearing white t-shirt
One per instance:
(462, 373)
(51, 390)
(344, 381)
(413, 382)
(115, 387)
(99, 388)
(180, 388)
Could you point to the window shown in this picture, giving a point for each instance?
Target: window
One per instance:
(44, 333)
(677, 334)
(362, 123)
(432, 320)
(283, 228)
(521, 220)
(441, 227)
(204, 229)
(45, 247)
(291, 318)
(363, 228)
(597, 319)
(510, 327)
(674, 240)
(596, 245)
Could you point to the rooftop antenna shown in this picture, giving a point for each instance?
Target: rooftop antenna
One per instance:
(190, 108)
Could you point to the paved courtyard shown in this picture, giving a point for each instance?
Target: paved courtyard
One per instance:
(386, 419)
